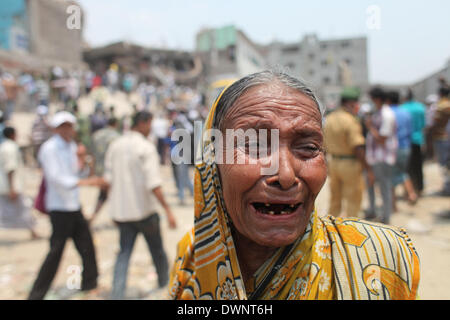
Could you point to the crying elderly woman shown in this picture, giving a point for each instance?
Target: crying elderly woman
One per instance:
(258, 236)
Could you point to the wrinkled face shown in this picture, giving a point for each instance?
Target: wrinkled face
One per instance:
(274, 210)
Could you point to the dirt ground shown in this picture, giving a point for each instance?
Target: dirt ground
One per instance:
(428, 224)
(20, 258)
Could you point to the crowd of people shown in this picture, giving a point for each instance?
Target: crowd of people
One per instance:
(384, 144)
(258, 236)
(119, 155)
(28, 89)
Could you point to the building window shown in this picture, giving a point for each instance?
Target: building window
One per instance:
(254, 61)
(345, 44)
(348, 61)
(323, 46)
(311, 72)
(326, 80)
(291, 49)
(291, 65)
(311, 56)
(324, 63)
(232, 53)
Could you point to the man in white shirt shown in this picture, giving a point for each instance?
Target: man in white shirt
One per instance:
(381, 152)
(132, 170)
(62, 174)
(14, 212)
(160, 129)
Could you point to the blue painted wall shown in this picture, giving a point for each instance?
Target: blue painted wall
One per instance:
(10, 12)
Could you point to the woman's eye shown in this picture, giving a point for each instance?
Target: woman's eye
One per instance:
(308, 150)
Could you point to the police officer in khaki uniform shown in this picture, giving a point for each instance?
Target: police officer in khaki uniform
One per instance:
(344, 143)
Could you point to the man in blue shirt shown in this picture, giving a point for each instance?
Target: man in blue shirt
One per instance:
(415, 166)
(404, 133)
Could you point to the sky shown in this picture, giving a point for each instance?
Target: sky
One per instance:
(407, 39)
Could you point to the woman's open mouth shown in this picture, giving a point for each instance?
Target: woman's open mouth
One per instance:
(275, 209)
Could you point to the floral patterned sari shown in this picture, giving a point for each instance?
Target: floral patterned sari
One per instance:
(334, 259)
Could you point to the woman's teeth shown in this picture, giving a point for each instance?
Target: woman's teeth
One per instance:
(275, 209)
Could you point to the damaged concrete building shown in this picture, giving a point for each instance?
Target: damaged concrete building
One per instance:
(326, 65)
(162, 65)
(34, 35)
(228, 53)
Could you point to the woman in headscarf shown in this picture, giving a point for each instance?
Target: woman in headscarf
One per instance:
(256, 234)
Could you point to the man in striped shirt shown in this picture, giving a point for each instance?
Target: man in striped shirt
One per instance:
(381, 152)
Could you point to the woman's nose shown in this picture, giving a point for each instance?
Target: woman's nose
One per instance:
(286, 177)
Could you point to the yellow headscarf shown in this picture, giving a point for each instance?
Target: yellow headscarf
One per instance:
(334, 259)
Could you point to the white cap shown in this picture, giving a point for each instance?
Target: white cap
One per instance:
(62, 117)
(193, 114)
(42, 110)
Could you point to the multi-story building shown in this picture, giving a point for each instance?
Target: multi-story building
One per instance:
(228, 53)
(14, 31)
(164, 65)
(326, 65)
(50, 35)
(34, 34)
(430, 85)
